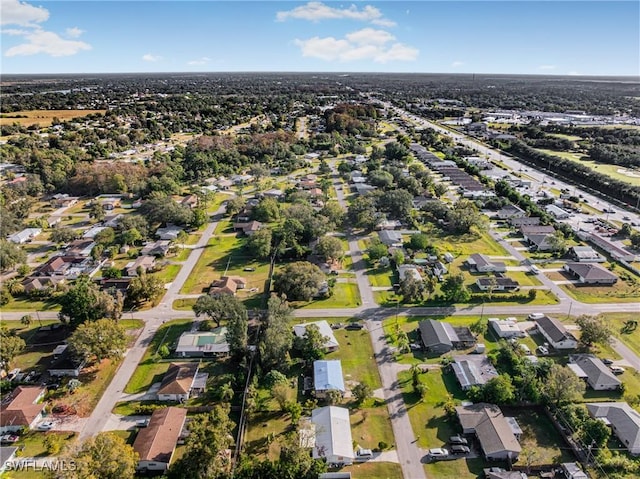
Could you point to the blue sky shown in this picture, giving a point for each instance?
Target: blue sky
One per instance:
(517, 37)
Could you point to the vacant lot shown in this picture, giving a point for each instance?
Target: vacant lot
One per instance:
(345, 295)
(43, 117)
(624, 291)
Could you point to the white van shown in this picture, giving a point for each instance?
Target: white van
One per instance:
(534, 270)
(536, 316)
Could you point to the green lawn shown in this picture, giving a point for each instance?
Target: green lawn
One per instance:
(616, 321)
(621, 292)
(614, 171)
(345, 295)
(149, 369)
(26, 304)
(370, 426)
(381, 276)
(374, 470)
(356, 355)
(168, 273)
(458, 469)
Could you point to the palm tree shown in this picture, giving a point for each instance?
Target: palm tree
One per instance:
(226, 393)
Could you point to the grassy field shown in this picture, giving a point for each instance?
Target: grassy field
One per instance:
(621, 292)
(43, 117)
(616, 321)
(609, 170)
(374, 470)
(149, 369)
(381, 276)
(345, 295)
(26, 304)
(225, 255)
(168, 273)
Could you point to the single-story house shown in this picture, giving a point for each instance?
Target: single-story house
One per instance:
(110, 204)
(63, 200)
(524, 221)
(92, 232)
(145, 262)
(594, 371)
(116, 284)
(156, 248)
(227, 285)
(25, 235)
(497, 284)
(327, 376)
(473, 370)
(273, 193)
(66, 363)
(500, 473)
(440, 337)
(170, 232)
(203, 343)
(80, 248)
(247, 227)
(494, 432)
(611, 248)
(156, 443)
(40, 283)
(112, 221)
(558, 212)
(541, 242)
(57, 266)
(530, 230)
(190, 201)
(511, 211)
(590, 273)
(586, 254)
(390, 238)
(363, 188)
(21, 408)
(623, 420)
(178, 382)
(483, 264)
(408, 270)
(330, 344)
(388, 224)
(555, 333)
(506, 328)
(333, 441)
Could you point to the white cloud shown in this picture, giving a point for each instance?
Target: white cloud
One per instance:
(15, 12)
(40, 41)
(74, 32)
(457, 64)
(316, 11)
(200, 61)
(365, 44)
(151, 58)
(14, 31)
(547, 67)
(574, 73)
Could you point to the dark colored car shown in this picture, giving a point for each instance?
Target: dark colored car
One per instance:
(458, 440)
(459, 449)
(353, 326)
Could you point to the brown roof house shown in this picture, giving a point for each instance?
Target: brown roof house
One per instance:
(494, 432)
(191, 201)
(178, 382)
(590, 273)
(227, 285)
(156, 443)
(21, 408)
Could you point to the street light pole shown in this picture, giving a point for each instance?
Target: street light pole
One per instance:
(570, 306)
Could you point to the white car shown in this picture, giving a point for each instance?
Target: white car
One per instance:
(536, 316)
(438, 452)
(542, 350)
(617, 369)
(45, 426)
(364, 453)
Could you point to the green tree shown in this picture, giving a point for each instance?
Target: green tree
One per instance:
(412, 289)
(10, 255)
(204, 455)
(334, 213)
(259, 244)
(329, 248)
(131, 236)
(105, 456)
(10, 346)
(267, 211)
(454, 290)
(439, 189)
(499, 390)
(84, 302)
(235, 205)
(53, 443)
(377, 250)
(200, 217)
(593, 330)
(464, 217)
(635, 240)
(419, 242)
(237, 326)
(557, 242)
(105, 237)
(145, 287)
(63, 235)
(97, 211)
(298, 281)
(594, 430)
(103, 338)
(226, 393)
(562, 386)
(397, 204)
(363, 213)
(311, 344)
(334, 396)
(219, 308)
(361, 392)
(278, 336)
